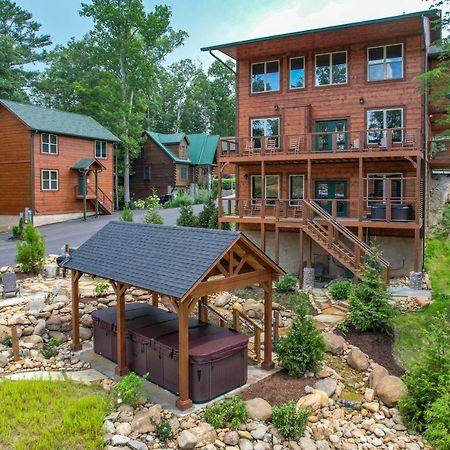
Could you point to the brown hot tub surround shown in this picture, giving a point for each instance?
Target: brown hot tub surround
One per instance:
(217, 356)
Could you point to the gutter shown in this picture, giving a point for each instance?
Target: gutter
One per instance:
(32, 189)
(222, 62)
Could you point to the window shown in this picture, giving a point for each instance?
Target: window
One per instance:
(331, 68)
(266, 76)
(379, 120)
(297, 73)
(49, 143)
(147, 173)
(296, 189)
(183, 152)
(272, 188)
(265, 127)
(377, 187)
(183, 173)
(49, 180)
(100, 149)
(385, 63)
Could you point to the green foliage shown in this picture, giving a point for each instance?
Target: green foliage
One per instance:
(101, 288)
(49, 349)
(340, 290)
(7, 340)
(31, 250)
(201, 197)
(17, 230)
(289, 420)
(227, 183)
(438, 422)
(369, 299)
(153, 216)
(186, 217)
(52, 415)
(428, 377)
(205, 214)
(303, 348)
(163, 431)
(227, 414)
(129, 388)
(286, 283)
(151, 202)
(181, 198)
(127, 214)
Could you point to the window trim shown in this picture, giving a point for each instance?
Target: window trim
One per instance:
(384, 175)
(289, 71)
(265, 72)
(384, 62)
(49, 144)
(42, 180)
(255, 199)
(264, 136)
(95, 149)
(330, 66)
(187, 174)
(291, 200)
(384, 121)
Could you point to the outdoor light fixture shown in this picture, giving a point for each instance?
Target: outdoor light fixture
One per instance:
(361, 101)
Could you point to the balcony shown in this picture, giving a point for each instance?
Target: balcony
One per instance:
(323, 145)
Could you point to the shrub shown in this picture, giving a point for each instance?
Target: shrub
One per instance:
(227, 183)
(202, 196)
(340, 290)
(186, 217)
(7, 341)
(287, 283)
(438, 422)
(163, 431)
(129, 388)
(227, 414)
(17, 230)
(369, 299)
(181, 198)
(31, 251)
(205, 214)
(303, 347)
(428, 377)
(289, 420)
(127, 214)
(101, 288)
(153, 216)
(151, 202)
(213, 222)
(49, 348)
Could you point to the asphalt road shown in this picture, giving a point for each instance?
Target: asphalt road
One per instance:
(75, 232)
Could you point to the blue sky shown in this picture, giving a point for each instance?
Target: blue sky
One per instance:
(211, 22)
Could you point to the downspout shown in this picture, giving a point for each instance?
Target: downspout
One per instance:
(32, 190)
(222, 62)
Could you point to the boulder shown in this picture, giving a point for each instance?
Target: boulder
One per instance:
(186, 440)
(85, 333)
(378, 372)
(204, 433)
(54, 323)
(27, 331)
(145, 420)
(58, 335)
(358, 360)
(19, 319)
(231, 438)
(40, 327)
(327, 385)
(390, 389)
(87, 321)
(318, 399)
(258, 409)
(334, 344)
(3, 361)
(123, 428)
(222, 299)
(253, 308)
(34, 339)
(50, 271)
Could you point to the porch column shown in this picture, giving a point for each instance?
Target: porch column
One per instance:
(183, 402)
(262, 237)
(96, 193)
(202, 310)
(155, 299)
(267, 363)
(309, 192)
(277, 244)
(219, 196)
(121, 368)
(417, 188)
(263, 190)
(76, 344)
(84, 195)
(301, 240)
(417, 250)
(360, 189)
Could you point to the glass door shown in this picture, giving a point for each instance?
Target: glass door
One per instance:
(332, 190)
(324, 138)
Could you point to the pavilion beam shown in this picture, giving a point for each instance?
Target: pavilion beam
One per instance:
(76, 344)
(202, 309)
(267, 363)
(121, 368)
(155, 299)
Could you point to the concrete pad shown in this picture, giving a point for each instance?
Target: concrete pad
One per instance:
(405, 291)
(82, 376)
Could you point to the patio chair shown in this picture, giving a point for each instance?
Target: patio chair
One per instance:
(294, 145)
(249, 147)
(271, 145)
(10, 285)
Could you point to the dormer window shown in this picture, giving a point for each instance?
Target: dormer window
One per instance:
(265, 76)
(49, 144)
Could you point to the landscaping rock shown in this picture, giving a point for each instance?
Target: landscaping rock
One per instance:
(318, 399)
(54, 323)
(231, 438)
(186, 440)
(259, 432)
(40, 327)
(253, 308)
(258, 409)
(358, 360)
(389, 389)
(19, 319)
(137, 445)
(245, 444)
(87, 321)
(369, 395)
(3, 361)
(334, 344)
(118, 439)
(307, 443)
(371, 406)
(378, 372)
(144, 421)
(85, 333)
(50, 271)
(34, 339)
(123, 429)
(222, 299)
(204, 433)
(4, 332)
(327, 385)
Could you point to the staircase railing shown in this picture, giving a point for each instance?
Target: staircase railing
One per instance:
(257, 330)
(104, 201)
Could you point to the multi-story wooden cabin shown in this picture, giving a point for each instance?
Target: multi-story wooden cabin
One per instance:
(331, 151)
(56, 164)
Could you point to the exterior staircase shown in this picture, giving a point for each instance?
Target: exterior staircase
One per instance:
(105, 203)
(337, 240)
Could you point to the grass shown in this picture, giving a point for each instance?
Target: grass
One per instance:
(44, 415)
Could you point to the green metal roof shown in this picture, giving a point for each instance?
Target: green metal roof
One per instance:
(428, 12)
(174, 138)
(162, 139)
(202, 148)
(59, 122)
(85, 163)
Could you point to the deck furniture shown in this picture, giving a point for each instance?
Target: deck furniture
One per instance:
(10, 285)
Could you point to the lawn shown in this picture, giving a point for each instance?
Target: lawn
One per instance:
(44, 415)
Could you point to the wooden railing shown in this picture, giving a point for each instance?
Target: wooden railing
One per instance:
(257, 330)
(104, 201)
(387, 139)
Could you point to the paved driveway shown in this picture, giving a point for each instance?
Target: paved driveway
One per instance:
(75, 232)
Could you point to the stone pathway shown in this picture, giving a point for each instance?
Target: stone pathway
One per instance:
(331, 312)
(83, 376)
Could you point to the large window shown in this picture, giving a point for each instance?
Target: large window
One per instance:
(296, 189)
(385, 63)
(379, 120)
(331, 68)
(49, 143)
(297, 73)
(266, 76)
(265, 127)
(49, 180)
(100, 149)
(377, 187)
(272, 188)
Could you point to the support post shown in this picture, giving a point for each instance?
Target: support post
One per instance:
(219, 196)
(84, 195)
(309, 181)
(96, 193)
(15, 343)
(202, 309)
(263, 188)
(262, 237)
(267, 363)
(417, 249)
(309, 254)
(360, 189)
(155, 299)
(183, 402)
(121, 368)
(76, 344)
(301, 240)
(277, 244)
(417, 188)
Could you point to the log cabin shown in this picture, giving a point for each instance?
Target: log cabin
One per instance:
(169, 162)
(54, 164)
(331, 152)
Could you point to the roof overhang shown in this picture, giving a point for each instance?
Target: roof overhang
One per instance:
(86, 164)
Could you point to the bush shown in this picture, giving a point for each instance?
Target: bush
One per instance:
(208, 210)
(187, 217)
(289, 420)
(428, 377)
(340, 290)
(163, 431)
(438, 422)
(227, 414)
(153, 216)
(181, 198)
(31, 251)
(17, 230)
(129, 388)
(227, 183)
(49, 348)
(202, 196)
(287, 283)
(151, 202)
(127, 214)
(369, 299)
(303, 348)
(101, 288)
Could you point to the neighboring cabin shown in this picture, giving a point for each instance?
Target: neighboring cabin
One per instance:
(47, 157)
(173, 161)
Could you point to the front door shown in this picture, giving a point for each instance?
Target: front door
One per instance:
(80, 185)
(324, 136)
(332, 190)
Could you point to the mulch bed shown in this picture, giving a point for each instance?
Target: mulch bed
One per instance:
(378, 345)
(278, 388)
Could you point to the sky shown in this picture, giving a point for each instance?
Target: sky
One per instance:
(210, 22)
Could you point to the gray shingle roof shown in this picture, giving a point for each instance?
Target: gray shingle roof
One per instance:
(160, 258)
(59, 122)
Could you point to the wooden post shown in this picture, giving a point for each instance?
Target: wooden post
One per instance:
(263, 190)
(76, 344)
(121, 368)
(309, 192)
(388, 199)
(96, 193)
(236, 323)
(417, 249)
(84, 195)
(155, 299)
(262, 237)
(277, 244)
(219, 196)
(267, 362)
(202, 309)
(66, 251)
(361, 189)
(276, 325)
(183, 402)
(418, 197)
(301, 240)
(309, 253)
(15, 343)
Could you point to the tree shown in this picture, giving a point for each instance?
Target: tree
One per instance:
(20, 44)
(31, 251)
